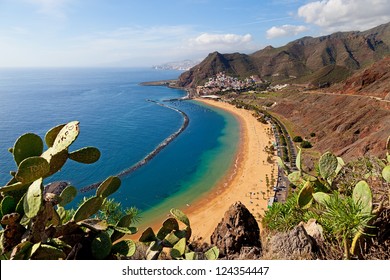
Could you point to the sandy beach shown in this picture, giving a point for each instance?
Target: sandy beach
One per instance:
(246, 182)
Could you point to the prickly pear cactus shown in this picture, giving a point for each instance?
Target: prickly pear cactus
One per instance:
(305, 196)
(327, 165)
(66, 136)
(386, 173)
(33, 200)
(362, 196)
(36, 224)
(171, 236)
(85, 155)
(27, 145)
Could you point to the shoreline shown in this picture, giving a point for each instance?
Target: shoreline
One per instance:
(244, 181)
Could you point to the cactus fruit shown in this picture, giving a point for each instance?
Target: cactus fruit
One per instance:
(66, 136)
(85, 155)
(180, 216)
(108, 187)
(27, 145)
(125, 248)
(386, 173)
(31, 169)
(33, 200)
(88, 208)
(305, 196)
(101, 246)
(362, 196)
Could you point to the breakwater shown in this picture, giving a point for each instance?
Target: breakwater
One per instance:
(153, 153)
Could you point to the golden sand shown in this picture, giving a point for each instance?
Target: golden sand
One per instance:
(246, 182)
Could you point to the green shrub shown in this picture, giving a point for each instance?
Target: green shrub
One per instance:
(306, 144)
(297, 139)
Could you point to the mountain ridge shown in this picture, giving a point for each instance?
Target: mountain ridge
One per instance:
(299, 60)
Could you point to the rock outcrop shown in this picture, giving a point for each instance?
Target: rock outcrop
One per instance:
(237, 236)
(295, 244)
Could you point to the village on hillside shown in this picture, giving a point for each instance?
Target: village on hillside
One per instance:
(223, 83)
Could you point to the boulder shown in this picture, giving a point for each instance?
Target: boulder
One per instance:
(295, 244)
(237, 236)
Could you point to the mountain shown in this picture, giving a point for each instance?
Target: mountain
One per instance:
(372, 81)
(178, 65)
(321, 60)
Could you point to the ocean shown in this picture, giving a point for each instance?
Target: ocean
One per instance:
(116, 116)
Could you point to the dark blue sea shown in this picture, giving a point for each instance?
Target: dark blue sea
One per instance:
(116, 117)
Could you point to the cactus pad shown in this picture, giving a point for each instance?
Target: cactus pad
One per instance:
(27, 145)
(362, 195)
(67, 195)
(179, 248)
(33, 200)
(178, 214)
(51, 135)
(212, 253)
(125, 248)
(305, 196)
(31, 169)
(108, 187)
(88, 208)
(101, 246)
(85, 155)
(66, 136)
(321, 198)
(148, 235)
(328, 165)
(386, 173)
(7, 205)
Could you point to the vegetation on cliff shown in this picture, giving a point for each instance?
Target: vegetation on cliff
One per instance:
(350, 203)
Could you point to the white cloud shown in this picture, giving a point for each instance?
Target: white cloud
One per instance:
(229, 39)
(53, 8)
(285, 30)
(209, 42)
(344, 15)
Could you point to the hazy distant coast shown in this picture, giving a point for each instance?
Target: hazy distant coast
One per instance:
(171, 84)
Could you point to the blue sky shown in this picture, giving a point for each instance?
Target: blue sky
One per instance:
(130, 33)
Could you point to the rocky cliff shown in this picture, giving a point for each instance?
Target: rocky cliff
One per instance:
(325, 59)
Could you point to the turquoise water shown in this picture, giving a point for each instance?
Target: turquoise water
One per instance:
(116, 117)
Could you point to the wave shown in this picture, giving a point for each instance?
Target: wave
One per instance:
(153, 153)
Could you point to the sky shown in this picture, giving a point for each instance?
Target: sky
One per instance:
(134, 33)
